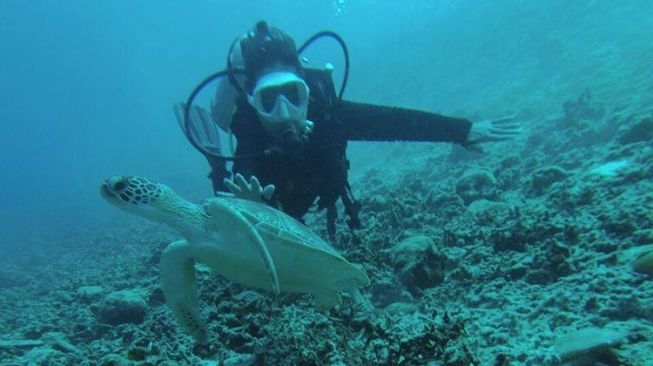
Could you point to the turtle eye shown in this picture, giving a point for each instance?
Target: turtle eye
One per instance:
(119, 186)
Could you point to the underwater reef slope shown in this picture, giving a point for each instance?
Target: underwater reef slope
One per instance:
(537, 253)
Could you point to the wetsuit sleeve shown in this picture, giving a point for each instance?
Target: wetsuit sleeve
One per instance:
(368, 122)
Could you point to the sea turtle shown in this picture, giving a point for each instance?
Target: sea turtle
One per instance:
(245, 241)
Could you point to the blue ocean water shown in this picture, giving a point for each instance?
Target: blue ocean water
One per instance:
(87, 88)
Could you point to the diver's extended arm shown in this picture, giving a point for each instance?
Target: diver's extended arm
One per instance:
(369, 122)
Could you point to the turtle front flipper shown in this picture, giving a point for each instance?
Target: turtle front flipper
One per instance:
(226, 216)
(179, 286)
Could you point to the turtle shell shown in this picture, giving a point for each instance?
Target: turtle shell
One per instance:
(273, 223)
(299, 259)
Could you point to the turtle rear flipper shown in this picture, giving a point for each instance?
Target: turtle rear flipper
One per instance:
(179, 285)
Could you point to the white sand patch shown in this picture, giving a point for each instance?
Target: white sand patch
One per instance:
(611, 168)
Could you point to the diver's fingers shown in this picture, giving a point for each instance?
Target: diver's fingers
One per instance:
(231, 186)
(255, 185)
(503, 119)
(506, 127)
(268, 191)
(506, 124)
(242, 183)
(502, 138)
(505, 131)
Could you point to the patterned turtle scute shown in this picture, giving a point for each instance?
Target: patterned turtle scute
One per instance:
(277, 224)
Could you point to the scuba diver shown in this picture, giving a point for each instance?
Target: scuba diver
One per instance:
(291, 127)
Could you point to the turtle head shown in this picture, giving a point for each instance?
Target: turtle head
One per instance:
(134, 194)
(154, 201)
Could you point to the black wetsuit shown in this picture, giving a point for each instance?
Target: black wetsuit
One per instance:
(317, 169)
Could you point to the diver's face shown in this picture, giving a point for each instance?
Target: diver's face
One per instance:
(281, 99)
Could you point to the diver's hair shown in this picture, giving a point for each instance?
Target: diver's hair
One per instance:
(265, 46)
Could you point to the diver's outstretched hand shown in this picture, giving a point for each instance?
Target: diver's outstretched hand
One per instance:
(250, 191)
(493, 130)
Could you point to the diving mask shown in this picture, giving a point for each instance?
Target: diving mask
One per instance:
(281, 100)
